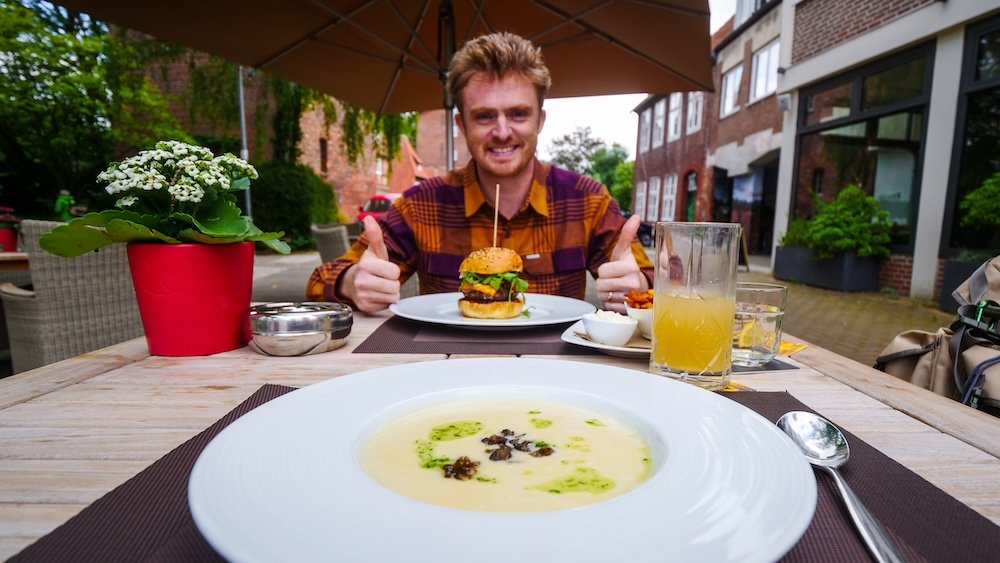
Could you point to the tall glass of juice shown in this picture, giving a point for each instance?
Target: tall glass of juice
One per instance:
(694, 301)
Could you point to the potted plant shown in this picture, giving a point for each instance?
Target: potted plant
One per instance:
(981, 215)
(840, 247)
(190, 249)
(8, 229)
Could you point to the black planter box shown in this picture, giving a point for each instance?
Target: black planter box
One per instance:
(955, 273)
(845, 272)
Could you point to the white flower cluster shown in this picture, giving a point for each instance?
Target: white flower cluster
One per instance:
(186, 171)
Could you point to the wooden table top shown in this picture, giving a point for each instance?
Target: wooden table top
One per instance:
(13, 261)
(72, 431)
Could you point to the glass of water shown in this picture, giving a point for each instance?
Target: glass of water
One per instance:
(757, 323)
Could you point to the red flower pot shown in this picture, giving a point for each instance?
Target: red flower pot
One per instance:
(8, 240)
(194, 299)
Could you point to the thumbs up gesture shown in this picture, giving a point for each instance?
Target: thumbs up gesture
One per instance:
(620, 274)
(373, 283)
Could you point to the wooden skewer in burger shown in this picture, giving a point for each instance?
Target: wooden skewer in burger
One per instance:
(491, 287)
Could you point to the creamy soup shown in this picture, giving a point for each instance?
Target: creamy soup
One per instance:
(507, 456)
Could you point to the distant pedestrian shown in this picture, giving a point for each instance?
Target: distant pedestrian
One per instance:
(64, 205)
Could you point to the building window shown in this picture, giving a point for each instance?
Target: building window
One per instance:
(819, 175)
(765, 72)
(644, 123)
(322, 155)
(379, 167)
(731, 91)
(745, 9)
(653, 209)
(828, 104)
(842, 142)
(668, 209)
(640, 199)
(674, 130)
(695, 102)
(897, 83)
(977, 142)
(658, 116)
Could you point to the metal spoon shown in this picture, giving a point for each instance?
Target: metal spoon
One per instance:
(825, 446)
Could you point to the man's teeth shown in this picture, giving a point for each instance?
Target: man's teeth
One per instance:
(502, 149)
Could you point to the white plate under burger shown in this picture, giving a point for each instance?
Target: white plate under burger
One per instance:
(286, 482)
(442, 308)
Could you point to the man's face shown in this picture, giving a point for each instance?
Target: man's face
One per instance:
(501, 119)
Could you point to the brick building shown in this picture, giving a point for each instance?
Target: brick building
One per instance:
(899, 98)
(430, 141)
(746, 125)
(320, 146)
(896, 97)
(672, 182)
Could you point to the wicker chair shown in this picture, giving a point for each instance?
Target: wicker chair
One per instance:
(76, 305)
(331, 241)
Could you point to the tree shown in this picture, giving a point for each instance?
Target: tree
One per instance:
(621, 187)
(78, 95)
(605, 161)
(72, 94)
(575, 150)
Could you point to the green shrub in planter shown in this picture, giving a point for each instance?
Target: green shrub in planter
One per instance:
(852, 221)
(981, 212)
(294, 197)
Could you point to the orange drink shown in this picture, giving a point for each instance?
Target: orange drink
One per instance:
(694, 302)
(692, 335)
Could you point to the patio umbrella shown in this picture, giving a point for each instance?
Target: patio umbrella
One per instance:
(390, 56)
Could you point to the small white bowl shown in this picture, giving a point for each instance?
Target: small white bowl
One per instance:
(645, 318)
(608, 332)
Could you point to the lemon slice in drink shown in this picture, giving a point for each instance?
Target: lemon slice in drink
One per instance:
(746, 335)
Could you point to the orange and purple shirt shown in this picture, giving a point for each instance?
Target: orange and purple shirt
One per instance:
(567, 226)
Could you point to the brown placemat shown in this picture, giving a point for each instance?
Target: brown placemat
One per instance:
(402, 336)
(147, 517)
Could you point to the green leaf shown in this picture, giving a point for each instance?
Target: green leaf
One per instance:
(220, 221)
(278, 246)
(121, 230)
(239, 184)
(74, 240)
(193, 235)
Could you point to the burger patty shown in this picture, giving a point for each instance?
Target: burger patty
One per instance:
(504, 293)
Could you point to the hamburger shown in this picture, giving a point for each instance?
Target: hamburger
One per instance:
(491, 288)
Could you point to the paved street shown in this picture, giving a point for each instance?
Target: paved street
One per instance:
(856, 325)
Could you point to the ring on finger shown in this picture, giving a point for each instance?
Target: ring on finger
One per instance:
(610, 296)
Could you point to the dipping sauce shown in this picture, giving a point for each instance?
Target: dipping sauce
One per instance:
(610, 316)
(507, 456)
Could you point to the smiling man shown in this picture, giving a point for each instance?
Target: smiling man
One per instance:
(561, 223)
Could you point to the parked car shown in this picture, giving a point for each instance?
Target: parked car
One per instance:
(645, 230)
(376, 206)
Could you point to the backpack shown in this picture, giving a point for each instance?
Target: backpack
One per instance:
(962, 360)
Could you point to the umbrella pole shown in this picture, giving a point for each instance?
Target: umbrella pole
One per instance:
(244, 152)
(446, 49)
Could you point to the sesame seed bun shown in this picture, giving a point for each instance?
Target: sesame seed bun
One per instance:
(492, 260)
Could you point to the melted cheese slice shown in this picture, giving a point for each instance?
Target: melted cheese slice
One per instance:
(488, 290)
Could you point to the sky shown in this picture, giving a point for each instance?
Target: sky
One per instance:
(610, 118)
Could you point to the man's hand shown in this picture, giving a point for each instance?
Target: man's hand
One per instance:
(621, 274)
(373, 283)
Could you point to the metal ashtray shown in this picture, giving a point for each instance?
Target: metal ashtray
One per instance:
(299, 329)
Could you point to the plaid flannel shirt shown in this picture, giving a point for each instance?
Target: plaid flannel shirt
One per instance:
(567, 226)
